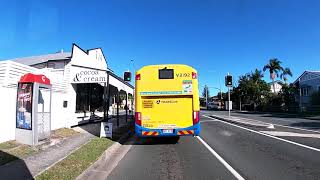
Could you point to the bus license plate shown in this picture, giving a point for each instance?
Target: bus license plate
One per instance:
(167, 131)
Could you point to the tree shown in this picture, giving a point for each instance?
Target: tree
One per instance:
(286, 72)
(252, 89)
(274, 67)
(205, 92)
(256, 76)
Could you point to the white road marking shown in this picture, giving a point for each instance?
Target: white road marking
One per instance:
(274, 137)
(298, 128)
(207, 121)
(234, 172)
(291, 134)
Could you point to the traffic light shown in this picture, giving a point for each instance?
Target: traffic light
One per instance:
(228, 80)
(127, 76)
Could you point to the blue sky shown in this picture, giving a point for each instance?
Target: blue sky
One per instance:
(214, 36)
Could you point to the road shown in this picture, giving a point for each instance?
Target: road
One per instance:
(224, 151)
(280, 119)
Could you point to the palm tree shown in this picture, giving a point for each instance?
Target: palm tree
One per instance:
(274, 67)
(256, 75)
(286, 72)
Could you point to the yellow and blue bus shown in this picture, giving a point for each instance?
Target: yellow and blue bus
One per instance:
(167, 101)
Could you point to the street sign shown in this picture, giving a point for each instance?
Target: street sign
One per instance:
(228, 81)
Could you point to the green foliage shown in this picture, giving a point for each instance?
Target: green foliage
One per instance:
(274, 66)
(252, 89)
(286, 72)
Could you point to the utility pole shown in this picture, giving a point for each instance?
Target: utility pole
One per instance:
(228, 82)
(206, 96)
(240, 103)
(229, 100)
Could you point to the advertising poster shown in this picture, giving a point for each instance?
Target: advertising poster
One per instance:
(24, 106)
(106, 129)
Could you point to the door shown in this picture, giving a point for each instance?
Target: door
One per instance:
(43, 113)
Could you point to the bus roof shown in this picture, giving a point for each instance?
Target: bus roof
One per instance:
(170, 65)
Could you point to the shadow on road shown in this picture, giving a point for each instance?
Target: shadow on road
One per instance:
(17, 169)
(309, 125)
(153, 140)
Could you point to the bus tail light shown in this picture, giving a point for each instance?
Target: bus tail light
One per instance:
(194, 75)
(195, 117)
(138, 76)
(138, 118)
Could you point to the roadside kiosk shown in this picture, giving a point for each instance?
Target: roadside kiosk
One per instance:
(33, 111)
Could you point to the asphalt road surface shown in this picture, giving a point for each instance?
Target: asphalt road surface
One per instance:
(224, 151)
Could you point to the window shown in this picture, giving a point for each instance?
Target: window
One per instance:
(166, 74)
(39, 66)
(51, 65)
(305, 91)
(56, 64)
(89, 97)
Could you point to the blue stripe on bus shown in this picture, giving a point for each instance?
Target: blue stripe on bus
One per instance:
(160, 92)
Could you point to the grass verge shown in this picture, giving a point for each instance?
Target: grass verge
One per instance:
(63, 133)
(11, 150)
(73, 165)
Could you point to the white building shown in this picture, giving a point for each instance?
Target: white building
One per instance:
(78, 79)
(277, 86)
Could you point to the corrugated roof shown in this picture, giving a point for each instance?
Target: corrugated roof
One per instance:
(42, 58)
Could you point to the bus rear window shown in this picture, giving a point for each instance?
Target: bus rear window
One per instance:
(166, 74)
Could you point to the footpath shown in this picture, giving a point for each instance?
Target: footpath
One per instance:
(57, 149)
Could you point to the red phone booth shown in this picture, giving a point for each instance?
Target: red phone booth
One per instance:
(33, 112)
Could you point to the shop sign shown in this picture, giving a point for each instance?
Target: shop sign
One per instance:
(89, 76)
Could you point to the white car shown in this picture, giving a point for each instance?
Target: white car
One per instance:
(213, 105)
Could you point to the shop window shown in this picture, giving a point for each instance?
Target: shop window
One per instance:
(89, 98)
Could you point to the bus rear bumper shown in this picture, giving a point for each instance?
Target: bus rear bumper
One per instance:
(146, 132)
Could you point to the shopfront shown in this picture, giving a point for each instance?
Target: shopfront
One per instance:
(84, 89)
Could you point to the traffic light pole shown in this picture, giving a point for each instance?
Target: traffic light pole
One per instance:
(229, 100)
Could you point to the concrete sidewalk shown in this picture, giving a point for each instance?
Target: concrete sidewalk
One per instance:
(29, 167)
(33, 165)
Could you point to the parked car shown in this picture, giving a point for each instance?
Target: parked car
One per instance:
(213, 105)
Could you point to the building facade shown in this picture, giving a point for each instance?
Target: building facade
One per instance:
(308, 83)
(277, 86)
(80, 81)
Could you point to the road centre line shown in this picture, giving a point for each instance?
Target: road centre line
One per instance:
(234, 172)
(274, 137)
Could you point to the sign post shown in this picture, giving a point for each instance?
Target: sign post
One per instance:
(228, 82)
